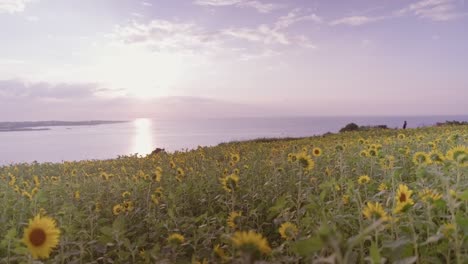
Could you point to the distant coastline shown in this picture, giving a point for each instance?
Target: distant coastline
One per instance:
(43, 125)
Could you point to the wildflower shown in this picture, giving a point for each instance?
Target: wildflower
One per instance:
(459, 155)
(364, 179)
(77, 195)
(317, 152)
(157, 195)
(387, 163)
(126, 194)
(230, 183)
(448, 229)
(235, 158)
(288, 231)
(128, 206)
(372, 152)
(117, 209)
(403, 198)
(382, 187)
(374, 211)
(41, 236)
(233, 219)
(251, 242)
(306, 161)
(292, 157)
(429, 196)
(176, 239)
(220, 253)
(421, 158)
(436, 157)
(345, 199)
(157, 175)
(364, 153)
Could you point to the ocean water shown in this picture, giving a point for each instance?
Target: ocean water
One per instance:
(144, 135)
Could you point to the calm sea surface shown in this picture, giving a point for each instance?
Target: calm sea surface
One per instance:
(143, 135)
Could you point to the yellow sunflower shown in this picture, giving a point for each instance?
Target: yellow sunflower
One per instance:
(251, 242)
(403, 198)
(230, 183)
(436, 157)
(317, 152)
(176, 239)
(233, 219)
(305, 161)
(374, 211)
(288, 231)
(429, 196)
(41, 236)
(421, 158)
(364, 179)
(459, 155)
(117, 209)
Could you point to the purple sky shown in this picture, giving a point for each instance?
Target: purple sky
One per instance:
(89, 59)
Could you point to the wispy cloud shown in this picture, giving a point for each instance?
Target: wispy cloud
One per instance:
(436, 10)
(259, 6)
(13, 6)
(164, 35)
(356, 20)
(277, 32)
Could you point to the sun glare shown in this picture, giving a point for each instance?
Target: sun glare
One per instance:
(143, 139)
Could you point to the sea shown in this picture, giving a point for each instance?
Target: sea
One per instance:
(143, 135)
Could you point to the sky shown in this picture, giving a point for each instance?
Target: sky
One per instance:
(121, 59)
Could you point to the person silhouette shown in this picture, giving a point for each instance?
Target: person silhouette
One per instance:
(404, 125)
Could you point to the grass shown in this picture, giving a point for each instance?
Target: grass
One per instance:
(300, 207)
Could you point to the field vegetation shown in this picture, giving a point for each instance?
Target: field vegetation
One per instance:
(374, 196)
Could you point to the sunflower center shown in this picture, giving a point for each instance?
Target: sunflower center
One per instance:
(37, 237)
(402, 197)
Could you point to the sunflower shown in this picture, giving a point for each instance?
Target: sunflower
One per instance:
(459, 155)
(387, 163)
(401, 136)
(383, 187)
(305, 161)
(436, 157)
(448, 229)
(117, 209)
(374, 211)
(317, 151)
(128, 206)
(429, 196)
(403, 198)
(373, 152)
(176, 239)
(235, 158)
(41, 236)
(364, 153)
(251, 242)
(233, 219)
(288, 231)
(77, 195)
(421, 158)
(292, 157)
(345, 199)
(220, 253)
(126, 194)
(364, 179)
(230, 183)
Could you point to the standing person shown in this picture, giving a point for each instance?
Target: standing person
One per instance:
(404, 125)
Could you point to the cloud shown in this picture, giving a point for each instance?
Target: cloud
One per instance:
(44, 90)
(277, 32)
(356, 20)
(436, 10)
(163, 35)
(259, 6)
(13, 6)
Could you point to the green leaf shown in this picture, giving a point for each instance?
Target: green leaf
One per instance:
(307, 247)
(409, 260)
(374, 253)
(464, 195)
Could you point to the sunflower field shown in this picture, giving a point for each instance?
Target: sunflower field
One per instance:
(377, 196)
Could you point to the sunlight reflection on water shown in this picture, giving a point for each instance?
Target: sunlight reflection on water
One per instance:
(143, 139)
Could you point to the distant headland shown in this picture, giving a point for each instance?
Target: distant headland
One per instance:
(44, 125)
